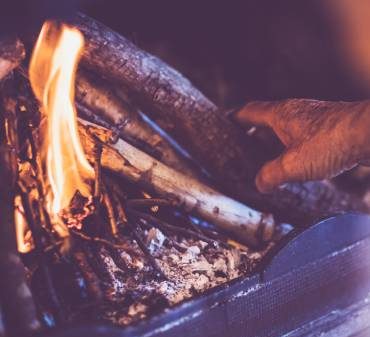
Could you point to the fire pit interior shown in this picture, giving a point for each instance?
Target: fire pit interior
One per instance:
(127, 196)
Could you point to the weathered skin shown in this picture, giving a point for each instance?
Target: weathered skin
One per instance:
(322, 139)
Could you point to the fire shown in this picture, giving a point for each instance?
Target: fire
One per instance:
(52, 75)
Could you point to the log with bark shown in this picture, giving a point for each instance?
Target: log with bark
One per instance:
(170, 97)
(98, 103)
(247, 225)
(250, 226)
(110, 266)
(219, 146)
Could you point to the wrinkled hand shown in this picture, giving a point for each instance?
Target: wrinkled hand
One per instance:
(322, 139)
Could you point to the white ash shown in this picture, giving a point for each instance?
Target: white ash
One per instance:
(155, 239)
(188, 274)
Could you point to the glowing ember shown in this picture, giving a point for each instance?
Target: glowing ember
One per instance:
(24, 236)
(52, 75)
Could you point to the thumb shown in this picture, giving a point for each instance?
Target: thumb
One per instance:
(283, 169)
(257, 113)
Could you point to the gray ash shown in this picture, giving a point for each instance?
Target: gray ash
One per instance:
(133, 294)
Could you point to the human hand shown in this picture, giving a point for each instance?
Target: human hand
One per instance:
(322, 139)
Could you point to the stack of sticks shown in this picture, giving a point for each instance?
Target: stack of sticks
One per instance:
(142, 121)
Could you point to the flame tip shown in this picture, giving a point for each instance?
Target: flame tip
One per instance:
(52, 71)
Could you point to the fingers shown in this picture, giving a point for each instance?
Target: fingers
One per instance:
(270, 176)
(286, 168)
(257, 113)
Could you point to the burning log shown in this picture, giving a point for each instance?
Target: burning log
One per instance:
(107, 109)
(16, 299)
(183, 110)
(248, 225)
(60, 208)
(196, 123)
(11, 55)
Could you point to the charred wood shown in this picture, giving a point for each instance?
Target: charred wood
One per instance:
(183, 110)
(92, 280)
(99, 104)
(197, 124)
(248, 225)
(16, 300)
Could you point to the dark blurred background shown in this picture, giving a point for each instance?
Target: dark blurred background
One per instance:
(236, 50)
(245, 49)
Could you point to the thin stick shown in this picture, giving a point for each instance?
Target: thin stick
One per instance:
(137, 233)
(111, 217)
(167, 227)
(93, 282)
(249, 225)
(99, 240)
(16, 299)
(133, 203)
(122, 217)
(97, 170)
(39, 250)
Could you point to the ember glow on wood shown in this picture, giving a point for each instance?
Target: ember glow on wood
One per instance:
(250, 226)
(23, 233)
(148, 200)
(52, 75)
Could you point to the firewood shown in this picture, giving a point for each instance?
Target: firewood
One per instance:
(249, 225)
(195, 122)
(188, 115)
(110, 111)
(15, 296)
(11, 55)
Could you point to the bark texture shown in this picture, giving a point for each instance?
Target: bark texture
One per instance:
(250, 226)
(192, 119)
(103, 106)
(187, 114)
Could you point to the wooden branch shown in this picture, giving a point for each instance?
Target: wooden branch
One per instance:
(196, 123)
(248, 225)
(16, 299)
(101, 102)
(190, 117)
(11, 55)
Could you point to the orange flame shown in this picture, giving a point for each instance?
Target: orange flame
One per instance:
(52, 75)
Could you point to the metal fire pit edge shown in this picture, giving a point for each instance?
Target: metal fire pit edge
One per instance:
(319, 271)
